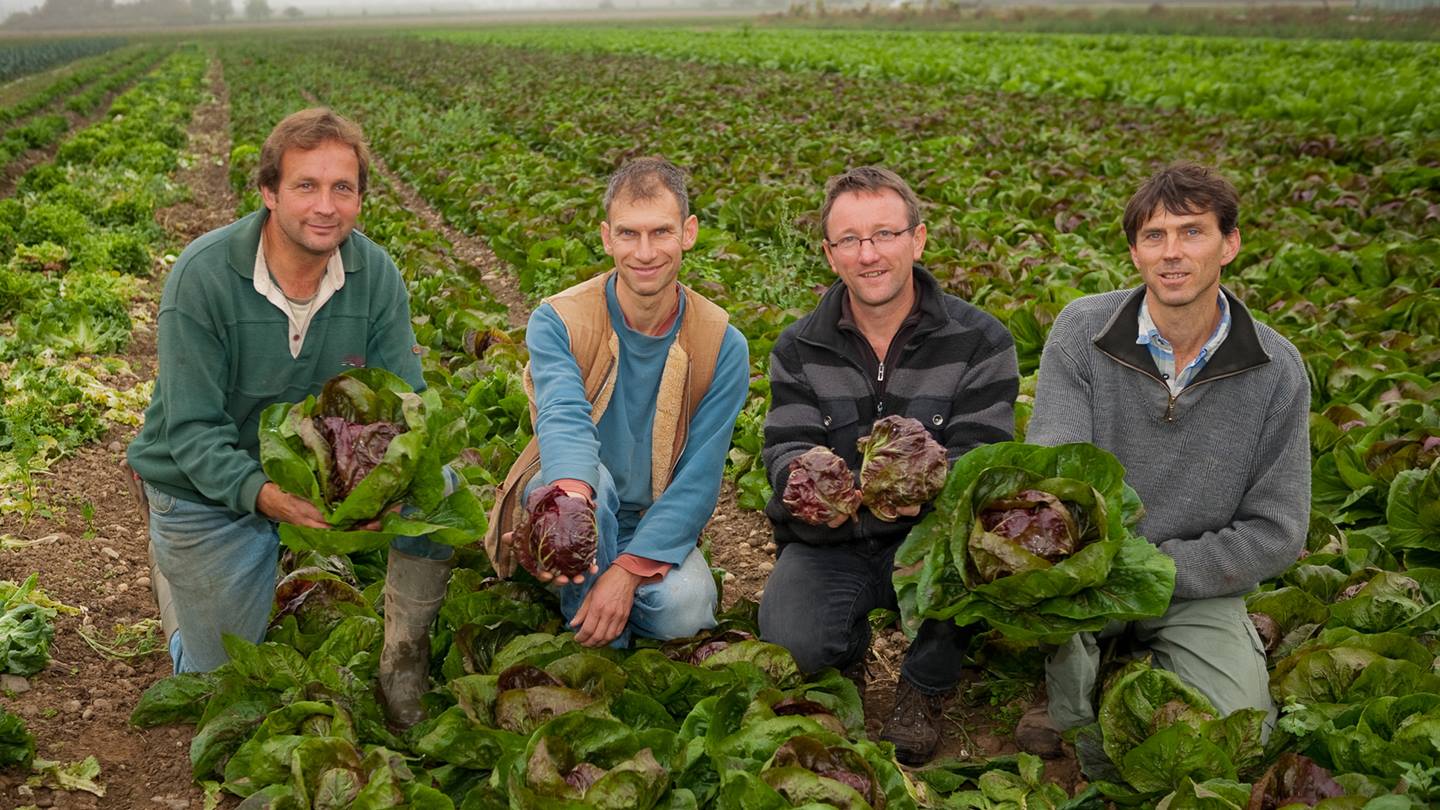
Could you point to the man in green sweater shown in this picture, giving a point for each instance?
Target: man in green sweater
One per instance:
(265, 310)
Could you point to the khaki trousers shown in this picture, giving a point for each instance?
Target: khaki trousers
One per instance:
(1210, 643)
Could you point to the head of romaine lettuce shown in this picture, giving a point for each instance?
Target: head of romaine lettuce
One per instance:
(366, 443)
(1035, 541)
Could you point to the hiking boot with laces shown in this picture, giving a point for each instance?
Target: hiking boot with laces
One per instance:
(1036, 732)
(914, 724)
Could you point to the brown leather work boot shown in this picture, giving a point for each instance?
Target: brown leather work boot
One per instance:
(1036, 732)
(914, 724)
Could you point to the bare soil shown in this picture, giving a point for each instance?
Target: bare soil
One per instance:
(80, 705)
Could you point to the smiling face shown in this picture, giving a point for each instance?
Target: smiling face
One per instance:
(647, 238)
(1179, 257)
(878, 275)
(316, 199)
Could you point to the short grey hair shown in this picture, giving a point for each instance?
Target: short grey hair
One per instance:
(868, 180)
(645, 179)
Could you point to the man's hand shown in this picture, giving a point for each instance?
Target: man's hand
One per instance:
(909, 511)
(606, 609)
(279, 505)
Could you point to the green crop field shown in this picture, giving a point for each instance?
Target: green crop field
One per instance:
(1023, 147)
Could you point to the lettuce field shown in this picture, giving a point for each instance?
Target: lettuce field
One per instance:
(493, 147)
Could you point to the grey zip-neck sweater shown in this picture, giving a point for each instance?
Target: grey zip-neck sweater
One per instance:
(1223, 468)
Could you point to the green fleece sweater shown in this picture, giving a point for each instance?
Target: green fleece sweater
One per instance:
(223, 359)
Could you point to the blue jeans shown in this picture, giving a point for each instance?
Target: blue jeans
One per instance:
(817, 604)
(681, 604)
(222, 569)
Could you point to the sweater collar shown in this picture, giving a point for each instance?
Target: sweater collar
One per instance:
(245, 243)
(823, 328)
(1241, 350)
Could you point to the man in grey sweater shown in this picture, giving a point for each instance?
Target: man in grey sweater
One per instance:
(1208, 411)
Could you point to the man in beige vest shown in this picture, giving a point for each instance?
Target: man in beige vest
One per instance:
(635, 383)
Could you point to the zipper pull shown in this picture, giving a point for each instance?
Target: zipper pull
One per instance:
(881, 376)
(1170, 410)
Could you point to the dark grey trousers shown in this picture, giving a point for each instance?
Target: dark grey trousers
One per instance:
(816, 603)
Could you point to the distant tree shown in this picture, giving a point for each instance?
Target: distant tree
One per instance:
(202, 11)
(222, 9)
(293, 13)
(257, 10)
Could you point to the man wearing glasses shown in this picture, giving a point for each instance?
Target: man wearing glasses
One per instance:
(635, 383)
(884, 340)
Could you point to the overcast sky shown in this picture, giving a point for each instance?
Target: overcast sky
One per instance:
(8, 7)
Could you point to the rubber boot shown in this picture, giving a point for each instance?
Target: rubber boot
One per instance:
(414, 589)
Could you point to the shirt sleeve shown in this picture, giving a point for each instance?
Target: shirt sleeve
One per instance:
(983, 406)
(191, 385)
(670, 526)
(794, 423)
(1063, 398)
(569, 441)
(392, 343)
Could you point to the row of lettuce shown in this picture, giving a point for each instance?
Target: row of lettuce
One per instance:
(23, 58)
(81, 90)
(76, 239)
(1312, 82)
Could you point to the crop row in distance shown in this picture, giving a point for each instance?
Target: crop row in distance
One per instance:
(1351, 87)
(74, 240)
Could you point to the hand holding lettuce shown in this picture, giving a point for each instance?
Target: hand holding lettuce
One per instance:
(1035, 541)
(368, 443)
(902, 468)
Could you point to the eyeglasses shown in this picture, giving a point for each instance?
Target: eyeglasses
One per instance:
(884, 236)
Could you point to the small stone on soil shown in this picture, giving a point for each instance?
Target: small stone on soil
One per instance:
(110, 552)
(71, 706)
(14, 683)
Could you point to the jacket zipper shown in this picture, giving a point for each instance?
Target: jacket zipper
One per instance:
(1172, 397)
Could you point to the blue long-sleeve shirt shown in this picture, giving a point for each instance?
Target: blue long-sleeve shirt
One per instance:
(571, 446)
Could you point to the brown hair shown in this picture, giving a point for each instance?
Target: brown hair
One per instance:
(1183, 187)
(646, 178)
(308, 129)
(868, 180)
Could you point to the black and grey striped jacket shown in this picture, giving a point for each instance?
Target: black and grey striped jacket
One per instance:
(957, 374)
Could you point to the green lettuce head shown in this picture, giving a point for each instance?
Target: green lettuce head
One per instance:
(365, 444)
(1036, 542)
